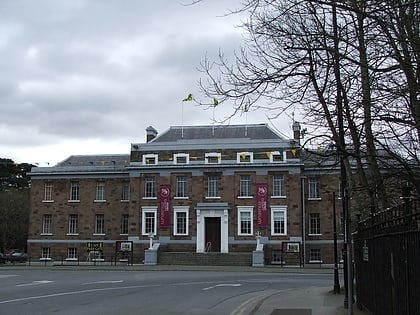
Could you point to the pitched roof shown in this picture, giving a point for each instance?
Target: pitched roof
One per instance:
(249, 132)
(96, 160)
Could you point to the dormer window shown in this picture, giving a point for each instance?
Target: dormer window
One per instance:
(278, 157)
(150, 159)
(181, 158)
(244, 157)
(213, 158)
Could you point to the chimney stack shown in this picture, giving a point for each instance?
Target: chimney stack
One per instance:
(151, 133)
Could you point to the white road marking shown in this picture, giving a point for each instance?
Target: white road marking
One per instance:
(34, 283)
(223, 285)
(103, 282)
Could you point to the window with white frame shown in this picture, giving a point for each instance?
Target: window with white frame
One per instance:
(213, 186)
(100, 224)
(278, 157)
(278, 186)
(72, 253)
(74, 191)
(47, 224)
(48, 192)
(245, 186)
(181, 187)
(278, 220)
(45, 253)
(150, 159)
(149, 220)
(124, 224)
(181, 158)
(150, 187)
(244, 157)
(181, 221)
(245, 219)
(100, 191)
(313, 191)
(125, 191)
(314, 224)
(73, 222)
(213, 158)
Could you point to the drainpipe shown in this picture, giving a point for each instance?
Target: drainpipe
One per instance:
(303, 219)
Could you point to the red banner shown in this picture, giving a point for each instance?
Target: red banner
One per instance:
(165, 198)
(262, 214)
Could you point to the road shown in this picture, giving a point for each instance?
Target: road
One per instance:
(49, 291)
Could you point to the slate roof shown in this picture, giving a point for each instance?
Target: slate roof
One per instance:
(249, 132)
(97, 160)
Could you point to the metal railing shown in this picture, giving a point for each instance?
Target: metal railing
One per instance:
(387, 260)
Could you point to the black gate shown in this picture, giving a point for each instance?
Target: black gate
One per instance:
(387, 259)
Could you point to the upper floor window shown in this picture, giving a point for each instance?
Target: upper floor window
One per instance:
(213, 186)
(124, 224)
(100, 224)
(314, 189)
(180, 220)
(47, 224)
(245, 186)
(125, 191)
(48, 192)
(278, 157)
(213, 158)
(74, 191)
(314, 224)
(244, 157)
(278, 186)
(73, 224)
(150, 187)
(181, 187)
(278, 221)
(181, 158)
(245, 219)
(150, 159)
(100, 191)
(149, 220)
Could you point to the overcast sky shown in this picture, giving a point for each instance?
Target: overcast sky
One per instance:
(88, 76)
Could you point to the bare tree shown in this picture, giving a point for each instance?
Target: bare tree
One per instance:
(297, 54)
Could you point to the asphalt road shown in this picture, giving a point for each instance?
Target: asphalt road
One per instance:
(49, 291)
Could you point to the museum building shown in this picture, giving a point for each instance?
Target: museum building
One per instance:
(201, 189)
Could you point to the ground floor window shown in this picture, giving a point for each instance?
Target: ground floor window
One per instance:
(180, 220)
(46, 253)
(72, 253)
(245, 219)
(315, 255)
(149, 218)
(278, 220)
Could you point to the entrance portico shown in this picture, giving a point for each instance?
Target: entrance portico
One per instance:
(212, 227)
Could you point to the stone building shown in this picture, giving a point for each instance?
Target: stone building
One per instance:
(191, 189)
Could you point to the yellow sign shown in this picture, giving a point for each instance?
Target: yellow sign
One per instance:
(95, 246)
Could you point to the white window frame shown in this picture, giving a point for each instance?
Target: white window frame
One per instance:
(177, 210)
(283, 187)
(153, 191)
(250, 211)
(125, 223)
(314, 183)
(71, 253)
(45, 253)
(185, 187)
(312, 228)
(150, 157)
(48, 192)
(281, 154)
(46, 224)
(248, 189)
(74, 185)
(209, 157)
(100, 192)
(282, 209)
(217, 181)
(99, 224)
(144, 211)
(239, 157)
(181, 155)
(73, 228)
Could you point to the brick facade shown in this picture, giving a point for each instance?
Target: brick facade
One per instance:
(50, 234)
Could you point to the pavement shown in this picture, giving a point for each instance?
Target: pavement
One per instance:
(301, 301)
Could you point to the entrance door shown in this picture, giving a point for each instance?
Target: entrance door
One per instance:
(212, 230)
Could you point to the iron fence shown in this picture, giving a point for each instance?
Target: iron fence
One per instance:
(387, 261)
